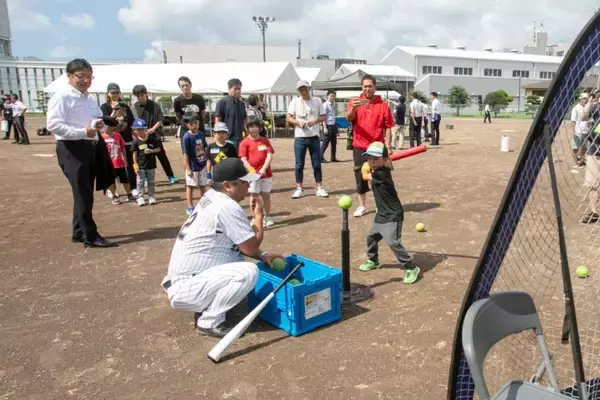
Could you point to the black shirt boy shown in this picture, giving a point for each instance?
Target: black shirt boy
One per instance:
(145, 161)
(194, 104)
(400, 114)
(233, 112)
(389, 207)
(216, 153)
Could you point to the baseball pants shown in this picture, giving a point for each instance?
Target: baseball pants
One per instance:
(391, 232)
(213, 292)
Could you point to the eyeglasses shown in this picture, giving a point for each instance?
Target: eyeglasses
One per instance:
(115, 92)
(83, 76)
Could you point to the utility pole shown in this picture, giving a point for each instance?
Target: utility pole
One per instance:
(263, 23)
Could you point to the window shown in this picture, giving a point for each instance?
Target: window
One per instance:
(492, 72)
(547, 75)
(2, 50)
(428, 69)
(463, 71)
(520, 73)
(560, 53)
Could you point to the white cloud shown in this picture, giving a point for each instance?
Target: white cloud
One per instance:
(81, 20)
(64, 52)
(354, 28)
(23, 16)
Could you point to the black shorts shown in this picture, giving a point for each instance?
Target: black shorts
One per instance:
(362, 186)
(121, 174)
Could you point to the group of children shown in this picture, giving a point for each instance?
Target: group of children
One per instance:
(256, 152)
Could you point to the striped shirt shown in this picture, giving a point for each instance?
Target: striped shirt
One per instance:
(210, 237)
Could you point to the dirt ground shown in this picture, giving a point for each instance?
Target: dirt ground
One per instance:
(95, 323)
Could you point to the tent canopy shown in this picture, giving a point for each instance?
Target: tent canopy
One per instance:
(385, 72)
(210, 78)
(353, 82)
(308, 73)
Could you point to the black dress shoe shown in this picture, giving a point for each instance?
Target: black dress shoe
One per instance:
(79, 239)
(218, 331)
(99, 242)
(335, 160)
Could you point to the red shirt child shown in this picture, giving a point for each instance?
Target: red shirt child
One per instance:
(256, 150)
(116, 148)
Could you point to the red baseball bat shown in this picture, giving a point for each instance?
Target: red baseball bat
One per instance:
(407, 153)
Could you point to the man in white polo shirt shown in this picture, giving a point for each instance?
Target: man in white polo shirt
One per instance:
(416, 120)
(436, 118)
(306, 114)
(207, 273)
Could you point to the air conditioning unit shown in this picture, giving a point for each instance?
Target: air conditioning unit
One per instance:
(461, 48)
(488, 49)
(433, 46)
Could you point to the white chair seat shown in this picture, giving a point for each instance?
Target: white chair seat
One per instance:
(519, 390)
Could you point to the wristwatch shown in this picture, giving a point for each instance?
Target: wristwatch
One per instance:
(262, 254)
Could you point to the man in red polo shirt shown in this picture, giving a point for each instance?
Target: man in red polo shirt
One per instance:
(372, 121)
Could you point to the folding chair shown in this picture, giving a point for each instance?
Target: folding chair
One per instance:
(490, 320)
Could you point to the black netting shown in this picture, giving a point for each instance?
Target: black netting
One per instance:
(524, 252)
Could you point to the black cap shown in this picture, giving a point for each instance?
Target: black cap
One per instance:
(231, 169)
(113, 87)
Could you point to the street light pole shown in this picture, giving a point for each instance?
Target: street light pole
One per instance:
(263, 23)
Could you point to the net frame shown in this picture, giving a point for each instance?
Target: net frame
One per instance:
(536, 152)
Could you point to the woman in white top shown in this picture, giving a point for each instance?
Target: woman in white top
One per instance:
(306, 114)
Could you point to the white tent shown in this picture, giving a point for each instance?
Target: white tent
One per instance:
(308, 73)
(210, 78)
(387, 72)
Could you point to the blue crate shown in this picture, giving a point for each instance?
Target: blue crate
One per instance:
(300, 308)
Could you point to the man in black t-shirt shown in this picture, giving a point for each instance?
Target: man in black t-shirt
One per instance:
(150, 111)
(389, 216)
(188, 102)
(399, 117)
(232, 111)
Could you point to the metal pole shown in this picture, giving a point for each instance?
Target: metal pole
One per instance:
(263, 29)
(345, 252)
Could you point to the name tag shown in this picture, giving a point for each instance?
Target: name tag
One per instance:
(109, 140)
(199, 141)
(143, 146)
(215, 150)
(261, 147)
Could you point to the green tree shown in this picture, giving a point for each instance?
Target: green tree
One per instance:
(420, 95)
(497, 100)
(42, 99)
(532, 104)
(458, 98)
(166, 104)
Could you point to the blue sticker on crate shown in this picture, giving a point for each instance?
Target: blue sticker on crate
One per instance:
(302, 307)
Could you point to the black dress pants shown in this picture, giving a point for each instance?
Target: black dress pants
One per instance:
(76, 158)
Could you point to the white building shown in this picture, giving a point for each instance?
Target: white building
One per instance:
(479, 72)
(5, 34)
(219, 53)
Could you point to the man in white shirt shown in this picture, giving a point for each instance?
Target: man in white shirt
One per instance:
(18, 112)
(207, 273)
(75, 120)
(436, 117)
(579, 129)
(306, 114)
(330, 127)
(487, 114)
(416, 120)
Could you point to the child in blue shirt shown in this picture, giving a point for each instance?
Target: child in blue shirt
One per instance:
(194, 159)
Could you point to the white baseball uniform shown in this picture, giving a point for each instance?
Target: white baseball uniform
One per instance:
(207, 272)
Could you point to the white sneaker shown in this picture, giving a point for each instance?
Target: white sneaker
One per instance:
(134, 193)
(151, 201)
(141, 201)
(360, 211)
(322, 192)
(109, 194)
(298, 193)
(268, 221)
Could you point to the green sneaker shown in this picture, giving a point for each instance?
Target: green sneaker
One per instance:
(411, 275)
(369, 265)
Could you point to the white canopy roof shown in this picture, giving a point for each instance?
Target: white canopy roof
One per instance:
(308, 73)
(210, 78)
(375, 70)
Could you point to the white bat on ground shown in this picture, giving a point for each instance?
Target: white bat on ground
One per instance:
(217, 352)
